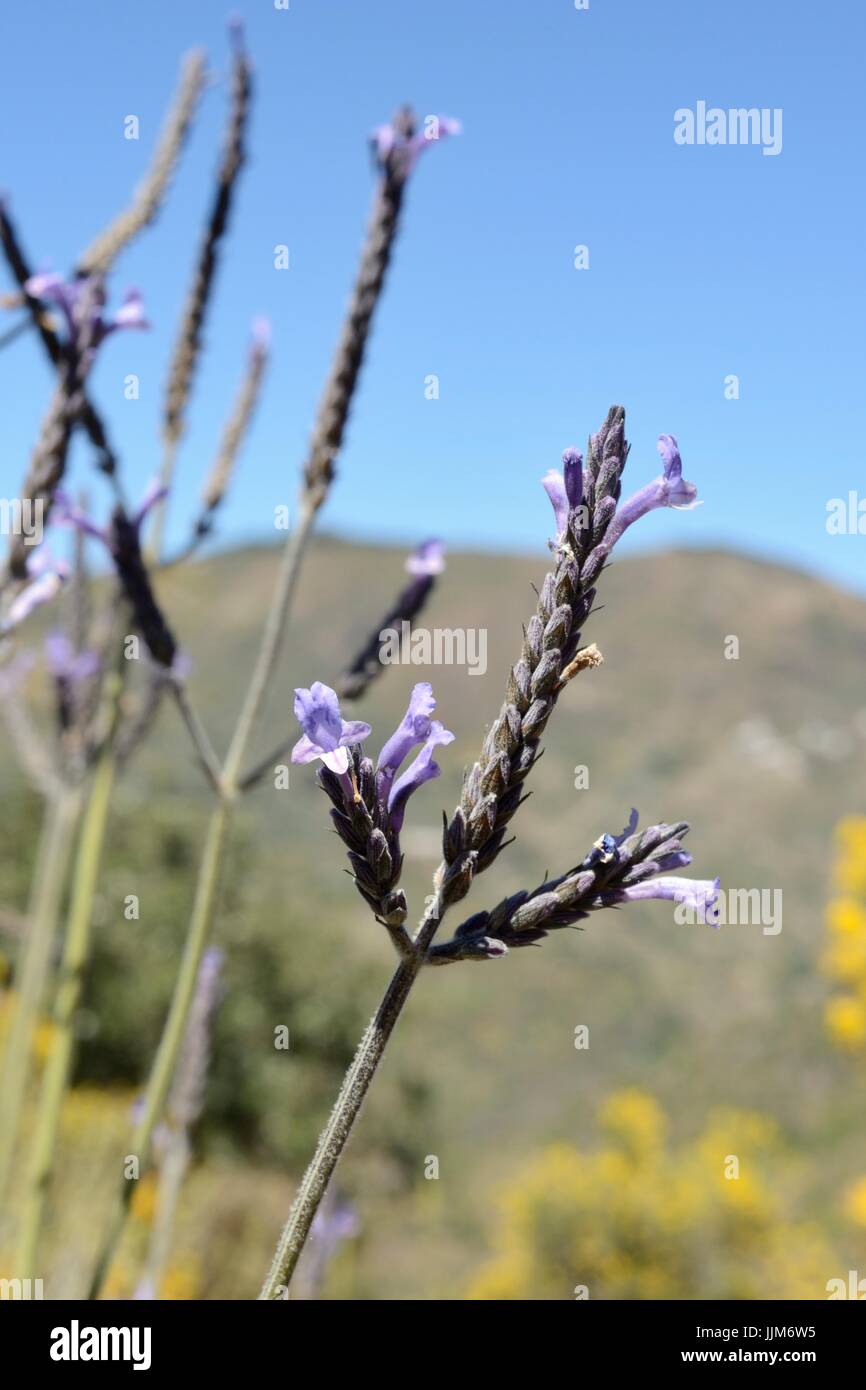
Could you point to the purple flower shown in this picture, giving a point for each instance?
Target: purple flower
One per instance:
(47, 577)
(413, 728)
(67, 295)
(421, 770)
(68, 514)
(428, 559)
(565, 489)
(387, 140)
(331, 1227)
(66, 665)
(327, 734)
(261, 334)
(554, 485)
(669, 489)
(699, 895)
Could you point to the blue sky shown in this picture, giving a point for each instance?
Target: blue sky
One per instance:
(704, 261)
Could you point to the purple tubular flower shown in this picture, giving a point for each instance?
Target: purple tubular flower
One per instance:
(154, 493)
(47, 577)
(331, 1227)
(65, 663)
(414, 728)
(51, 288)
(427, 560)
(327, 734)
(554, 485)
(699, 895)
(422, 769)
(565, 489)
(130, 315)
(386, 139)
(669, 489)
(261, 334)
(572, 470)
(68, 514)
(66, 294)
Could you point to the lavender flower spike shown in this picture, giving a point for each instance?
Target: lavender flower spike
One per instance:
(421, 770)
(122, 537)
(699, 895)
(669, 489)
(326, 733)
(565, 489)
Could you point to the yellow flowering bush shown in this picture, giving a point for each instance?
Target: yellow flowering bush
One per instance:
(640, 1218)
(844, 959)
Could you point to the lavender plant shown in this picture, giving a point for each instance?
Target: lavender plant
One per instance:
(369, 799)
(396, 150)
(34, 578)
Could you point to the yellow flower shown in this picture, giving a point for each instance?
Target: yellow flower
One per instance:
(670, 1223)
(846, 917)
(845, 960)
(845, 1017)
(855, 1202)
(851, 866)
(43, 1040)
(144, 1199)
(636, 1119)
(181, 1279)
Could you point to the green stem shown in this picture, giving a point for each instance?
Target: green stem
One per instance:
(203, 913)
(272, 636)
(58, 1068)
(52, 865)
(207, 888)
(172, 1171)
(335, 1135)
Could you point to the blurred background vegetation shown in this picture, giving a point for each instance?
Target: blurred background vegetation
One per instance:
(558, 1166)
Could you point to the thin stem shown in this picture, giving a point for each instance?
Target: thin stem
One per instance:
(255, 774)
(52, 864)
(155, 539)
(58, 1068)
(204, 908)
(203, 913)
(204, 748)
(325, 444)
(272, 636)
(334, 1136)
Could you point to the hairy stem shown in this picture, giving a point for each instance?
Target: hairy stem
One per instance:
(335, 1135)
